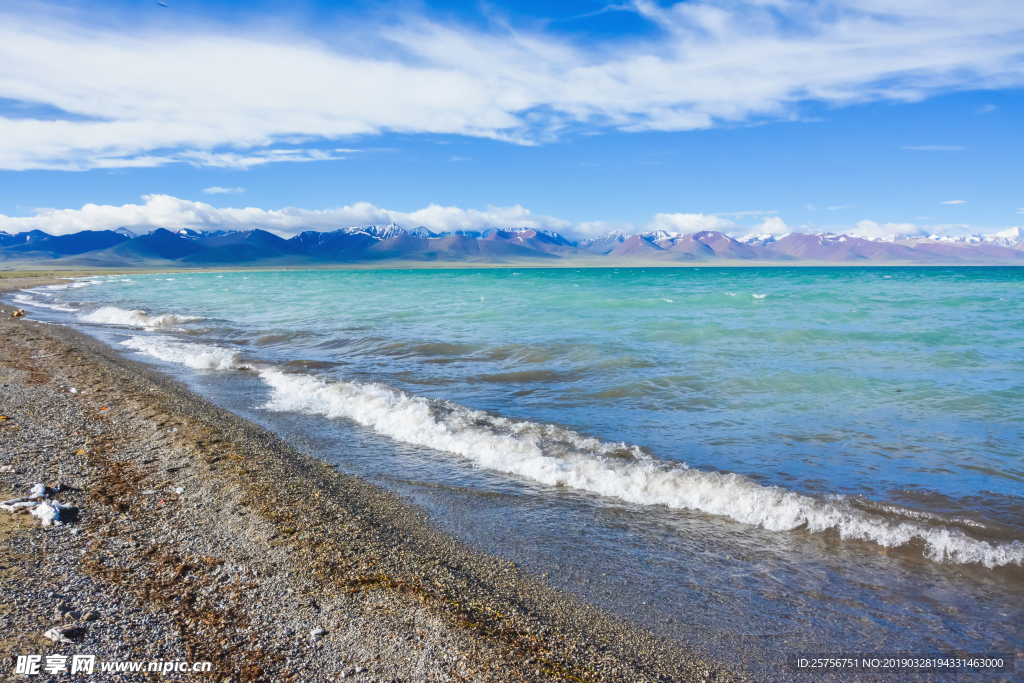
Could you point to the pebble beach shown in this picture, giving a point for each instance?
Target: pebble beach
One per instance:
(193, 535)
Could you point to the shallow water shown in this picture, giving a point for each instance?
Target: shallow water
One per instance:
(756, 461)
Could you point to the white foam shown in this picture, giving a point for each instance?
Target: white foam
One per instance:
(111, 315)
(24, 300)
(759, 296)
(196, 356)
(556, 456)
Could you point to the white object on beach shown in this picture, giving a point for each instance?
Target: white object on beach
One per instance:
(179, 490)
(316, 633)
(6, 469)
(57, 636)
(50, 511)
(73, 390)
(38, 491)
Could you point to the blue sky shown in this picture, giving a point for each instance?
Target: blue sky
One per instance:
(767, 115)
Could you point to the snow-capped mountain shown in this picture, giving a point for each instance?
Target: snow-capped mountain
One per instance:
(755, 239)
(1004, 238)
(390, 241)
(381, 232)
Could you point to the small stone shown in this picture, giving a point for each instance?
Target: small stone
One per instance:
(360, 669)
(91, 616)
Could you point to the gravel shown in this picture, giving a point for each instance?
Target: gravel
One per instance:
(198, 536)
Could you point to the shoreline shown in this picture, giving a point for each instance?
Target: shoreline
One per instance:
(260, 540)
(29, 270)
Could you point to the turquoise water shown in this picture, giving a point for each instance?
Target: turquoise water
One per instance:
(821, 416)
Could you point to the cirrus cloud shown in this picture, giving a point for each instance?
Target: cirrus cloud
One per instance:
(144, 96)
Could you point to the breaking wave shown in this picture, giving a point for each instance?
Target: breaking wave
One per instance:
(24, 300)
(556, 456)
(111, 315)
(195, 356)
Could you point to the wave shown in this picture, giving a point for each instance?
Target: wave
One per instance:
(24, 300)
(111, 315)
(556, 456)
(195, 356)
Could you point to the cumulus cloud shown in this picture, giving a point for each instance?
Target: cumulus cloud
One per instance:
(147, 95)
(690, 222)
(773, 225)
(223, 190)
(164, 211)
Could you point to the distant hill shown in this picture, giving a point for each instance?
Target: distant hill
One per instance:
(68, 245)
(187, 247)
(7, 240)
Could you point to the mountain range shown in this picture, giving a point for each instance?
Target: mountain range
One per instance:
(188, 248)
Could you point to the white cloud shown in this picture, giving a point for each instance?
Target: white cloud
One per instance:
(812, 207)
(837, 208)
(690, 222)
(936, 148)
(224, 190)
(146, 95)
(772, 225)
(164, 211)
(954, 201)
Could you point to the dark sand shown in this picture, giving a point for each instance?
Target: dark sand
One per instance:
(261, 546)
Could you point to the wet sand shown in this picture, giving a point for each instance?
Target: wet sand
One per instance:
(201, 536)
